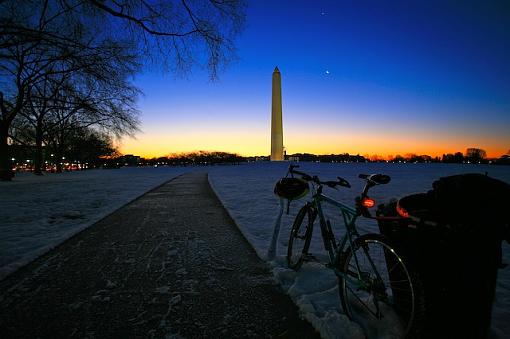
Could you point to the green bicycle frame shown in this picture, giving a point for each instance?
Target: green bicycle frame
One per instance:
(349, 216)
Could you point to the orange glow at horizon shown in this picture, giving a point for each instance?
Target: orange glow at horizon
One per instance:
(350, 91)
(255, 141)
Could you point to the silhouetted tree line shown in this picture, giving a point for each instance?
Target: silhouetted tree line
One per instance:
(345, 157)
(199, 158)
(66, 66)
(472, 156)
(206, 158)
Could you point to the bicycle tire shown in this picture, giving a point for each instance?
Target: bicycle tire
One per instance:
(297, 250)
(401, 288)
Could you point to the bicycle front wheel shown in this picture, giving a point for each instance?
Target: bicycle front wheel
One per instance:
(300, 237)
(378, 289)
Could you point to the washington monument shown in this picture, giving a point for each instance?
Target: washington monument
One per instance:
(276, 118)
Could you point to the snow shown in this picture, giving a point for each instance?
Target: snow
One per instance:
(38, 213)
(247, 193)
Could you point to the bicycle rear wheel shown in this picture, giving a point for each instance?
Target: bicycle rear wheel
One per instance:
(300, 237)
(383, 291)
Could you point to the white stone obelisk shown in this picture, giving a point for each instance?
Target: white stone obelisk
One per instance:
(276, 118)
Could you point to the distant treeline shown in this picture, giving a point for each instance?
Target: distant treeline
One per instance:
(94, 150)
(205, 158)
(471, 156)
(199, 158)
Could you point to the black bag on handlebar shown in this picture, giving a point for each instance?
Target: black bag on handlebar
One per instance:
(291, 188)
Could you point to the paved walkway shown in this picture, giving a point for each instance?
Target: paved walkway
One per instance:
(171, 264)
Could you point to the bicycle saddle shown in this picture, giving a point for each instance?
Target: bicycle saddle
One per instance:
(376, 179)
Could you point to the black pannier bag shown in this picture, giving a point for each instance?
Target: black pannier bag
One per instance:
(451, 237)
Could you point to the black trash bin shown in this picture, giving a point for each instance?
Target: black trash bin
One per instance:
(452, 240)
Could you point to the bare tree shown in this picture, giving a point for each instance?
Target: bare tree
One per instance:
(107, 104)
(475, 154)
(97, 92)
(175, 33)
(40, 72)
(88, 145)
(37, 34)
(26, 60)
(179, 33)
(40, 102)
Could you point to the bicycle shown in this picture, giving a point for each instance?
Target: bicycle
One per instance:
(372, 278)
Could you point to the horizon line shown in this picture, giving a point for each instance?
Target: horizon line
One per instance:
(366, 155)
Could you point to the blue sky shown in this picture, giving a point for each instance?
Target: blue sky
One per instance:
(385, 78)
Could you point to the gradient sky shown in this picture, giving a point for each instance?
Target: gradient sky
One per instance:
(382, 77)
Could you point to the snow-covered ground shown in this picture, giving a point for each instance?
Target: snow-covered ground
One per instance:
(247, 193)
(38, 213)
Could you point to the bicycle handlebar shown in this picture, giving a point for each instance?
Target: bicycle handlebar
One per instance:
(371, 179)
(315, 179)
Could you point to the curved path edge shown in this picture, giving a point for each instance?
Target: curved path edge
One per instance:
(171, 263)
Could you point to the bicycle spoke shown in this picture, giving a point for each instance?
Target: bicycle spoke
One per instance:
(362, 302)
(387, 284)
(394, 266)
(299, 240)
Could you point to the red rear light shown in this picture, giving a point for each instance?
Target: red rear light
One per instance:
(402, 211)
(367, 202)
